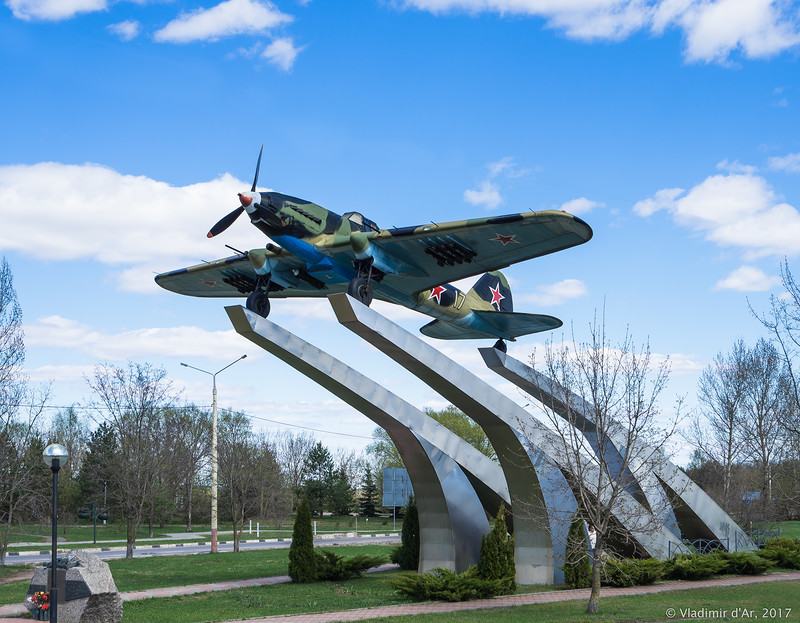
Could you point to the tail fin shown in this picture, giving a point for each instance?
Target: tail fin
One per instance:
(492, 315)
(492, 288)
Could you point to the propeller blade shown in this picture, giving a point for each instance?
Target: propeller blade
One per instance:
(225, 222)
(258, 166)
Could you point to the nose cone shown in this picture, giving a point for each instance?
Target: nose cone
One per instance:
(246, 199)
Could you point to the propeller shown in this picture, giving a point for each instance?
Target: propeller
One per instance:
(227, 220)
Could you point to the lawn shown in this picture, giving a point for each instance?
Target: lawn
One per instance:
(159, 571)
(767, 601)
(371, 591)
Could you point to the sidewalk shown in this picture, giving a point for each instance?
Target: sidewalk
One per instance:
(7, 612)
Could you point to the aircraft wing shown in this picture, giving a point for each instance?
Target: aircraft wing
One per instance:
(236, 276)
(446, 252)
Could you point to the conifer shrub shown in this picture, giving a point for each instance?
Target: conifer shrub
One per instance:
(496, 561)
(406, 555)
(446, 585)
(577, 564)
(624, 572)
(331, 566)
(782, 551)
(744, 563)
(302, 560)
(693, 567)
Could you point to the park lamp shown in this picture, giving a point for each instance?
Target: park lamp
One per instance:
(55, 457)
(213, 376)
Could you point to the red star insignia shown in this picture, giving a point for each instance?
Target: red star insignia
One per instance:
(436, 293)
(505, 239)
(496, 296)
(210, 284)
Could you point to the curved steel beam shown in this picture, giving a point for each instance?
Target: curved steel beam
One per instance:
(452, 519)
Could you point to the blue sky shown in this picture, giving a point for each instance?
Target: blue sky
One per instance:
(128, 128)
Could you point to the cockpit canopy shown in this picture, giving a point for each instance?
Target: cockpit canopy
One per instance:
(358, 222)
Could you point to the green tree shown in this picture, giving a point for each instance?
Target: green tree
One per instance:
(496, 560)
(577, 567)
(368, 501)
(339, 498)
(302, 562)
(318, 474)
(407, 554)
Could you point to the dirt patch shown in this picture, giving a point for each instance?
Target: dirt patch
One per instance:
(16, 576)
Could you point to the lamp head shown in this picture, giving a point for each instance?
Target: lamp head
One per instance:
(55, 456)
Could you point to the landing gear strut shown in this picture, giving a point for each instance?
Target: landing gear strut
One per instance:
(501, 346)
(360, 287)
(258, 301)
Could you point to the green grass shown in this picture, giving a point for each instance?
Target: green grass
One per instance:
(371, 591)
(368, 591)
(158, 571)
(790, 529)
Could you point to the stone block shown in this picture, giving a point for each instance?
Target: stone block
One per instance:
(88, 593)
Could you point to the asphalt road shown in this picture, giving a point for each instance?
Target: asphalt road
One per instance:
(167, 549)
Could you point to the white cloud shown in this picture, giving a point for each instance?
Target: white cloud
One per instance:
(582, 205)
(736, 167)
(53, 10)
(63, 333)
(736, 210)
(127, 30)
(282, 52)
(487, 195)
(135, 224)
(662, 200)
(557, 293)
(229, 18)
(747, 279)
(713, 30)
(789, 163)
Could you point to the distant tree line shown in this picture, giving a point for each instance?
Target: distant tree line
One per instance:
(747, 431)
(143, 457)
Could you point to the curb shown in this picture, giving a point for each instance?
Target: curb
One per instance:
(318, 537)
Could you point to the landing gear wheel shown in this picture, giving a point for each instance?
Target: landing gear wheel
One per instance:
(258, 302)
(501, 346)
(361, 290)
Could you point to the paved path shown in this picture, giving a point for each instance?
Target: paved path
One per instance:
(7, 612)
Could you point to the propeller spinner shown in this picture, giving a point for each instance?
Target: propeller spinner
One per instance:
(245, 199)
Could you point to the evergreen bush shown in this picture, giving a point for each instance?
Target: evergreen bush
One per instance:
(407, 554)
(624, 572)
(331, 566)
(496, 560)
(693, 567)
(577, 564)
(446, 585)
(744, 563)
(302, 561)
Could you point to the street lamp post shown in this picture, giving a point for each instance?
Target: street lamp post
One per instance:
(55, 456)
(213, 376)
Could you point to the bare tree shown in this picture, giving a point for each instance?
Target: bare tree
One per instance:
(274, 493)
(134, 401)
(765, 408)
(608, 430)
(720, 434)
(23, 478)
(292, 451)
(190, 447)
(238, 476)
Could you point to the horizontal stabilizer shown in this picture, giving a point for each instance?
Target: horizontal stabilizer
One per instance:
(489, 324)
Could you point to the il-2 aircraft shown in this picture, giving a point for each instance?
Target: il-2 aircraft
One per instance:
(314, 252)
